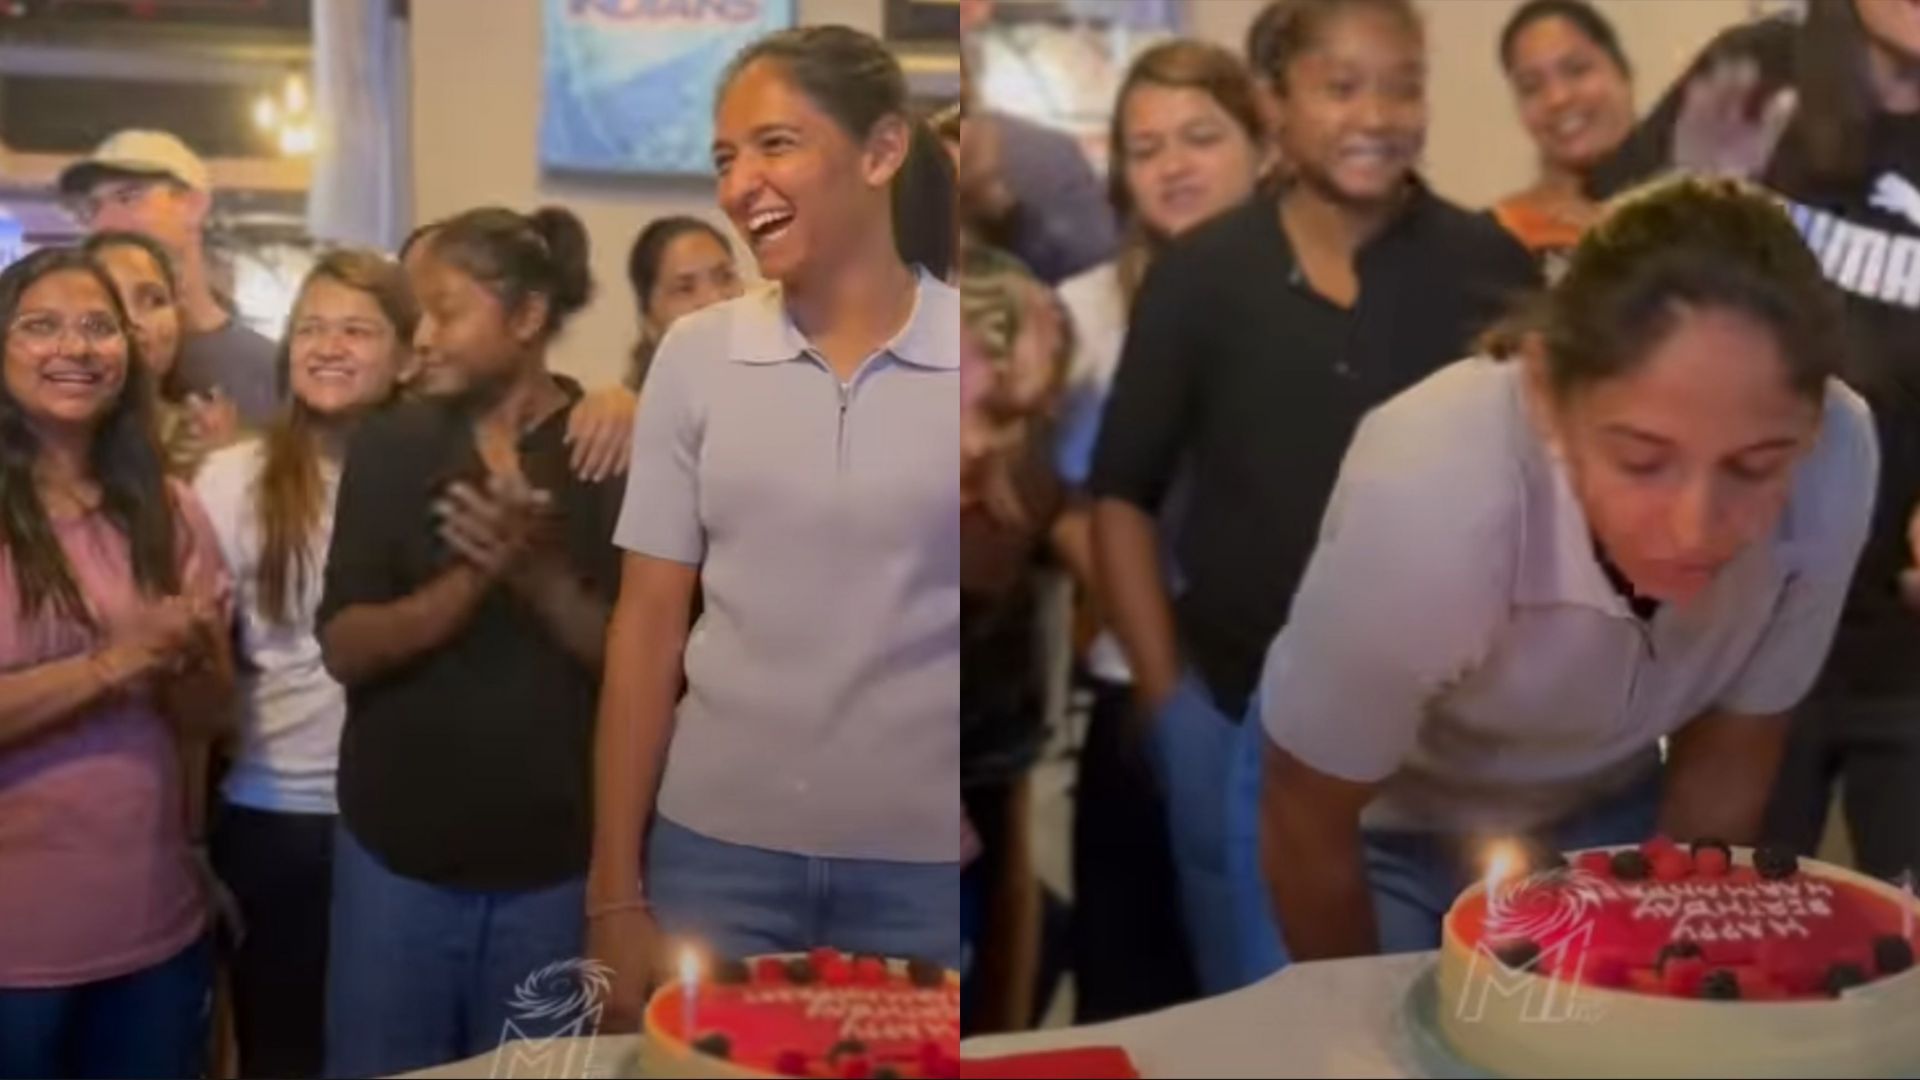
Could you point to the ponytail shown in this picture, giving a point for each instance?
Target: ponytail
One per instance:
(924, 204)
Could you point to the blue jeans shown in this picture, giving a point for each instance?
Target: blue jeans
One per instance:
(1209, 769)
(152, 1022)
(1416, 876)
(740, 901)
(421, 974)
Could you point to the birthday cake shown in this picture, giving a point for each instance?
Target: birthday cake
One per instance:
(823, 1013)
(1661, 960)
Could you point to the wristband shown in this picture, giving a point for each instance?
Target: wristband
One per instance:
(596, 909)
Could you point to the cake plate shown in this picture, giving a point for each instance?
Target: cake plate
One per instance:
(1427, 1047)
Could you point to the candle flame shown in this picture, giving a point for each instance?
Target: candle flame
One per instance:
(689, 966)
(1503, 860)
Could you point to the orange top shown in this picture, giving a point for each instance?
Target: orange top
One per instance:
(1539, 231)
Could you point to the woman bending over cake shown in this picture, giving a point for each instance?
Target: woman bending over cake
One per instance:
(1639, 528)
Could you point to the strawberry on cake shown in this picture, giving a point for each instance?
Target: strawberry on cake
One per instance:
(1668, 960)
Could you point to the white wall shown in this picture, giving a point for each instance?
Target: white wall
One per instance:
(1476, 150)
(476, 117)
(476, 110)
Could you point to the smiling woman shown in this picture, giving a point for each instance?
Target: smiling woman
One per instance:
(190, 426)
(113, 644)
(1573, 86)
(797, 458)
(678, 265)
(811, 129)
(271, 501)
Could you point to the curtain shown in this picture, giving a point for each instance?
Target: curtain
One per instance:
(362, 167)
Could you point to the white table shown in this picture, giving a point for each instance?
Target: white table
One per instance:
(573, 1059)
(1336, 1018)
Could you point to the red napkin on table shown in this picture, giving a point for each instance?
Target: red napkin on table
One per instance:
(1092, 1062)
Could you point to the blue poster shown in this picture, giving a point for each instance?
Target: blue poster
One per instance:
(629, 83)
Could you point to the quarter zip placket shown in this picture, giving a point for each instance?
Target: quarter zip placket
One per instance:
(840, 440)
(844, 391)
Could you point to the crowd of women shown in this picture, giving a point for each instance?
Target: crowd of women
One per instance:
(1398, 526)
(1395, 525)
(489, 684)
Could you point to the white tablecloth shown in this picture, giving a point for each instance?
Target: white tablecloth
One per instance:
(573, 1059)
(1336, 1018)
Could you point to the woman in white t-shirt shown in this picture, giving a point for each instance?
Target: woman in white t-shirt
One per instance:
(1533, 572)
(1187, 143)
(271, 502)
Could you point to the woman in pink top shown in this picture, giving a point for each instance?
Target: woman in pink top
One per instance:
(112, 600)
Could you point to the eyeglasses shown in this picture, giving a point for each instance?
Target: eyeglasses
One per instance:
(44, 329)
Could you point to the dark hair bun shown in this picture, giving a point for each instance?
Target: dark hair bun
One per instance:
(566, 240)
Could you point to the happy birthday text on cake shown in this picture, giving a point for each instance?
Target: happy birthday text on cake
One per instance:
(1723, 911)
(871, 1014)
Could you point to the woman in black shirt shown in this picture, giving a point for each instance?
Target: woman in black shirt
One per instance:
(1256, 343)
(467, 590)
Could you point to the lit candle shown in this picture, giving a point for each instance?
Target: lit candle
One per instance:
(689, 992)
(1906, 909)
(1503, 859)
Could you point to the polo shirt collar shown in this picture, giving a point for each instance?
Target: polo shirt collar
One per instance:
(1419, 202)
(767, 334)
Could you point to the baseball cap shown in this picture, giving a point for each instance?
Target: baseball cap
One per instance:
(137, 153)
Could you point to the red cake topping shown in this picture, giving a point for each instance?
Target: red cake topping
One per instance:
(862, 1018)
(1691, 927)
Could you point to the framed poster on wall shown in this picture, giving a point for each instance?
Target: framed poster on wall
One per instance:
(627, 85)
(1060, 62)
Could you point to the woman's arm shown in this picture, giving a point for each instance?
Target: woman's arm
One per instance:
(1721, 765)
(1145, 433)
(1310, 851)
(575, 615)
(648, 633)
(1126, 548)
(600, 433)
(1708, 108)
(40, 698)
(365, 641)
(1720, 770)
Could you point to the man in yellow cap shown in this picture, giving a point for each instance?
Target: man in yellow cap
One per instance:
(149, 182)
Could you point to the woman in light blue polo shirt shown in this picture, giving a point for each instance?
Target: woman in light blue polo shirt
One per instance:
(797, 456)
(1533, 571)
